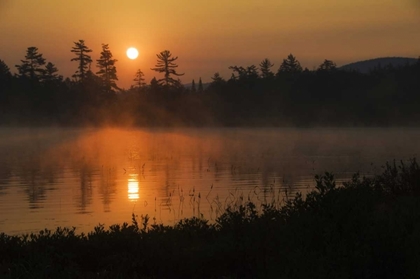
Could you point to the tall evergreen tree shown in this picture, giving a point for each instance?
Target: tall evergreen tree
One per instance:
(5, 79)
(252, 72)
(165, 64)
(290, 65)
(200, 86)
(31, 67)
(217, 82)
(50, 73)
(139, 79)
(240, 71)
(4, 71)
(107, 70)
(265, 67)
(81, 50)
(328, 66)
(217, 78)
(249, 73)
(193, 89)
(247, 77)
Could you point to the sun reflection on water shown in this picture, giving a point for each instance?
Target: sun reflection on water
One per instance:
(133, 187)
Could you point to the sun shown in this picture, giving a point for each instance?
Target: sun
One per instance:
(132, 53)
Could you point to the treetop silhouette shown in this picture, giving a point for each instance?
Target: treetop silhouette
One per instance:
(81, 50)
(193, 89)
(250, 72)
(328, 66)
(107, 70)
(4, 69)
(31, 67)
(200, 86)
(165, 64)
(290, 65)
(217, 77)
(265, 67)
(51, 73)
(139, 79)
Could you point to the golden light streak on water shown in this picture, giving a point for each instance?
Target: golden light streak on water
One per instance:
(133, 187)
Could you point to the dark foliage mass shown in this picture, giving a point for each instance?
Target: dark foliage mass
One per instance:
(252, 96)
(365, 228)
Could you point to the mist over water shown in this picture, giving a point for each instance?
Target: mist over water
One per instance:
(82, 177)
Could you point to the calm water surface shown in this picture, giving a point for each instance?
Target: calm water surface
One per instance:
(82, 177)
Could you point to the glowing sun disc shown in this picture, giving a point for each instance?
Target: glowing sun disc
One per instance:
(132, 53)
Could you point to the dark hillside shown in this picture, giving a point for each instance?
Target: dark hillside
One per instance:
(369, 65)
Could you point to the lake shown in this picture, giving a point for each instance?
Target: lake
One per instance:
(52, 177)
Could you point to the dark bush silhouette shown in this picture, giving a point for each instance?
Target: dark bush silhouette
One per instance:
(364, 228)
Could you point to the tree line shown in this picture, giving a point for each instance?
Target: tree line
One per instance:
(251, 96)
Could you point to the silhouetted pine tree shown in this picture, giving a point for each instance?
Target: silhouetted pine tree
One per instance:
(248, 73)
(50, 73)
(4, 71)
(217, 83)
(252, 72)
(290, 65)
(246, 77)
(31, 67)
(200, 86)
(107, 70)
(139, 79)
(217, 78)
(5, 80)
(165, 64)
(240, 72)
(265, 67)
(327, 66)
(193, 89)
(81, 50)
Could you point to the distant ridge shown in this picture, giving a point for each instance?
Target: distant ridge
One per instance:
(368, 65)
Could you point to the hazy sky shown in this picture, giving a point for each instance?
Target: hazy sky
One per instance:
(210, 36)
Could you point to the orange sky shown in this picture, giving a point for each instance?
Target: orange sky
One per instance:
(210, 36)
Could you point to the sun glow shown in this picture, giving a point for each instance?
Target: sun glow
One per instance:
(133, 187)
(132, 53)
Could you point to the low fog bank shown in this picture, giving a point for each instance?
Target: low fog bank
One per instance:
(289, 150)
